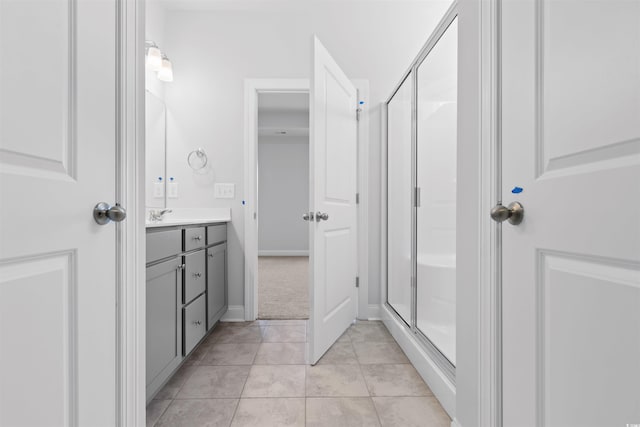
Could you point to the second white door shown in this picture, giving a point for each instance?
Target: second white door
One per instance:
(333, 185)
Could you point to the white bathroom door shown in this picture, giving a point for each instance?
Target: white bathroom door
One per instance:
(333, 186)
(571, 269)
(57, 265)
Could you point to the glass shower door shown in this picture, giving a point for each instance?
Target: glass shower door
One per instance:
(436, 158)
(399, 200)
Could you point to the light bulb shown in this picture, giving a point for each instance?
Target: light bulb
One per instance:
(154, 58)
(165, 73)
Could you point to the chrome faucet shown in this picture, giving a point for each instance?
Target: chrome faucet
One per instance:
(157, 215)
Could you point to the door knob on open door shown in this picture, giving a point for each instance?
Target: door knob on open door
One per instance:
(514, 213)
(103, 213)
(321, 216)
(307, 216)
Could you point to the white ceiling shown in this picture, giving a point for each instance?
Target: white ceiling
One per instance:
(253, 4)
(283, 102)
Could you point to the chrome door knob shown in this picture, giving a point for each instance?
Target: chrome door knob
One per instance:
(321, 216)
(103, 213)
(307, 216)
(514, 213)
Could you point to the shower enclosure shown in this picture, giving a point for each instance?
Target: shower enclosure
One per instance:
(421, 196)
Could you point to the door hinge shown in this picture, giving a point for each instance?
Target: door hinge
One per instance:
(357, 282)
(417, 197)
(358, 111)
(357, 198)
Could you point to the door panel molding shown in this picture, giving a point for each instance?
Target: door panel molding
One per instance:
(623, 149)
(551, 322)
(34, 332)
(21, 94)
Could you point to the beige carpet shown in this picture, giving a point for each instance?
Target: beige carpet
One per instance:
(283, 287)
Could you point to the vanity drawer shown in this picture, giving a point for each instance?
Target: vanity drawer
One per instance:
(195, 278)
(194, 321)
(193, 238)
(163, 244)
(216, 234)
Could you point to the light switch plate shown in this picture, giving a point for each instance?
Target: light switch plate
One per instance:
(224, 191)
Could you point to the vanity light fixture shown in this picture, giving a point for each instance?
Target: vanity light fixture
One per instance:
(165, 73)
(154, 55)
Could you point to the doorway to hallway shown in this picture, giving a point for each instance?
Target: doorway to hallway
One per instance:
(283, 195)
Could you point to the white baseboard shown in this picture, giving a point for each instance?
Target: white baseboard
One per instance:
(442, 388)
(374, 312)
(235, 313)
(282, 253)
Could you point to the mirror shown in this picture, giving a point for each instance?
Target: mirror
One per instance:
(156, 151)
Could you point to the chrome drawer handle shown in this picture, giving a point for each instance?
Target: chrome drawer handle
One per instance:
(180, 267)
(197, 322)
(197, 237)
(197, 274)
(210, 255)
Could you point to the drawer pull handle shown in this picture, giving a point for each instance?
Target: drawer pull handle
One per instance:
(180, 267)
(197, 322)
(197, 238)
(197, 274)
(210, 255)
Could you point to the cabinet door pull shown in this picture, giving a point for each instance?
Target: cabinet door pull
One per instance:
(211, 255)
(197, 238)
(197, 322)
(197, 274)
(180, 267)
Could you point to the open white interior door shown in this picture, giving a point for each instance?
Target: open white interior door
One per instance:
(333, 186)
(57, 161)
(571, 157)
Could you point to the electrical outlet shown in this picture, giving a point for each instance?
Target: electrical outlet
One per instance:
(158, 190)
(224, 191)
(172, 190)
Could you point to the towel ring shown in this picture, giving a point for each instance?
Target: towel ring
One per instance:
(197, 159)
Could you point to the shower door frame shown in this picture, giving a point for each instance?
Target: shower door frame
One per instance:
(411, 76)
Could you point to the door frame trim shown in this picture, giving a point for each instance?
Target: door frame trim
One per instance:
(130, 234)
(479, 393)
(252, 87)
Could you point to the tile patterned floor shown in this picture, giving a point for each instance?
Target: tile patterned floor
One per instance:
(254, 374)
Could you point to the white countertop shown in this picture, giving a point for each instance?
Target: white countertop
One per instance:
(187, 216)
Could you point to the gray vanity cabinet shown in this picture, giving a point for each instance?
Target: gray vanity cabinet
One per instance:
(216, 283)
(164, 321)
(186, 294)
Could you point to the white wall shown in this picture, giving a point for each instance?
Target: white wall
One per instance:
(473, 81)
(283, 195)
(214, 49)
